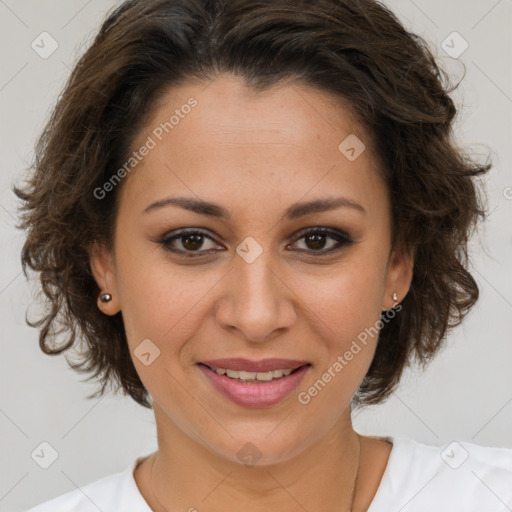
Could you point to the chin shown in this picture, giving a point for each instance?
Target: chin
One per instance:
(259, 448)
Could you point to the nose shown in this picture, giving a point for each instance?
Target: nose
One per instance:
(256, 300)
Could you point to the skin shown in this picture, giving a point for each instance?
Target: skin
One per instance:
(255, 154)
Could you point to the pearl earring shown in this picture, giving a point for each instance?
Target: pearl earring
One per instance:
(395, 298)
(105, 297)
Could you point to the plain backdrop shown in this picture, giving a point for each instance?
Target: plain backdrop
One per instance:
(465, 394)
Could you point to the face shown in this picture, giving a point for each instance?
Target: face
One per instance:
(257, 283)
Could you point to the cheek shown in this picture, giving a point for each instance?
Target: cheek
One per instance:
(166, 304)
(345, 306)
(349, 297)
(154, 293)
(346, 312)
(161, 311)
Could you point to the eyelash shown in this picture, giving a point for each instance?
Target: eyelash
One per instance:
(342, 239)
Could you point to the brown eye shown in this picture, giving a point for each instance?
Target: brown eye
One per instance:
(192, 242)
(316, 239)
(187, 242)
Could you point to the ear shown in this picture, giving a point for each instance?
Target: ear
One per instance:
(103, 270)
(399, 277)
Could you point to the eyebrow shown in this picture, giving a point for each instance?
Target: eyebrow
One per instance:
(294, 211)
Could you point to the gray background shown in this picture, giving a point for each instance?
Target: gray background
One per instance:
(466, 394)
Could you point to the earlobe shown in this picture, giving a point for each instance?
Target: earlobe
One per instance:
(399, 278)
(103, 270)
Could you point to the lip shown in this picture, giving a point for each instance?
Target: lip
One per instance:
(264, 393)
(265, 365)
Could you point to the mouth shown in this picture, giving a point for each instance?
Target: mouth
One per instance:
(253, 376)
(268, 383)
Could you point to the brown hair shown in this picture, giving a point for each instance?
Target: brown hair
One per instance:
(354, 49)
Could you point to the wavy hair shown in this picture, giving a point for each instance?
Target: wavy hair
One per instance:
(356, 50)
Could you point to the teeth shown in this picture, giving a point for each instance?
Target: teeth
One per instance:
(242, 375)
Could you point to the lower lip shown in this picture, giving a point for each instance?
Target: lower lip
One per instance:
(255, 394)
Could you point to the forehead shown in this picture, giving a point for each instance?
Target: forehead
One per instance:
(219, 136)
(233, 113)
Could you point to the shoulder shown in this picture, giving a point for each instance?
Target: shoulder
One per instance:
(458, 476)
(114, 493)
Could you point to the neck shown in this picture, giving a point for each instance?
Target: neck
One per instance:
(184, 475)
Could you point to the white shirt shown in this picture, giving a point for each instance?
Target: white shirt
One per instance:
(458, 477)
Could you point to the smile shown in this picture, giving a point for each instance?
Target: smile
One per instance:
(254, 389)
(253, 376)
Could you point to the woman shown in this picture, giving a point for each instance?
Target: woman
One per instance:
(255, 217)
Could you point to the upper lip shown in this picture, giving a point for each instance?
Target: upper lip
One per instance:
(264, 365)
